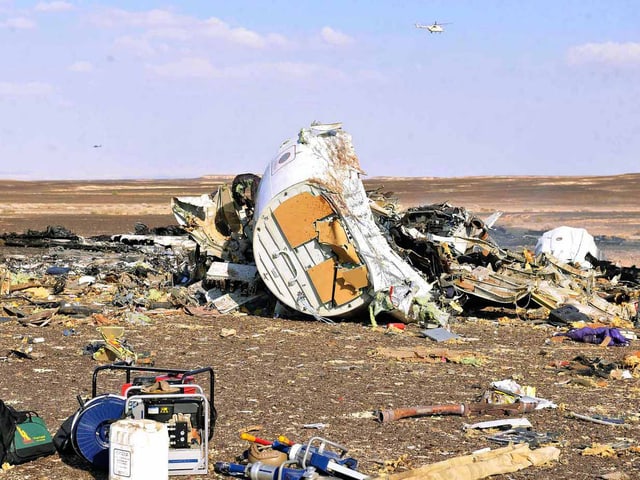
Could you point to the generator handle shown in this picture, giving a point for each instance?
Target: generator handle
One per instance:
(197, 371)
(129, 368)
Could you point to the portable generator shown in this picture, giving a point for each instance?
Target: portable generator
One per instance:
(169, 396)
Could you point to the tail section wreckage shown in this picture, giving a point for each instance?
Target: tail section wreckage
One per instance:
(316, 243)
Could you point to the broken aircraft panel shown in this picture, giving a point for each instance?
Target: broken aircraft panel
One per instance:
(315, 241)
(446, 225)
(216, 223)
(488, 285)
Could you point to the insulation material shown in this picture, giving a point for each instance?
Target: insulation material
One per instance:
(332, 233)
(296, 217)
(340, 285)
(321, 276)
(355, 277)
(481, 465)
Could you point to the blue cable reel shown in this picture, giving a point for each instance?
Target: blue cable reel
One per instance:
(91, 425)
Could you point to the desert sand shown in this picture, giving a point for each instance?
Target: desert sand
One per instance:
(282, 375)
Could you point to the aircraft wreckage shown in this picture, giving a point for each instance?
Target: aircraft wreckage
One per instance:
(307, 238)
(324, 246)
(310, 228)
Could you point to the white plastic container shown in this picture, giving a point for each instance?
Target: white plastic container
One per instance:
(138, 450)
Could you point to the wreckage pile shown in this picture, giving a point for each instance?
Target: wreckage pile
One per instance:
(308, 239)
(305, 240)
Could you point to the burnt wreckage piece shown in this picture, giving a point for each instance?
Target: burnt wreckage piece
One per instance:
(432, 237)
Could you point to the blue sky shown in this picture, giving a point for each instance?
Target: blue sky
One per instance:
(191, 88)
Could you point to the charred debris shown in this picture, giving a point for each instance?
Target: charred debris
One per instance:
(306, 239)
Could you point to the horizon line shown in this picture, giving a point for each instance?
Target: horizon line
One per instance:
(364, 177)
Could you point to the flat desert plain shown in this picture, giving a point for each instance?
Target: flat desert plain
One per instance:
(606, 206)
(293, 377)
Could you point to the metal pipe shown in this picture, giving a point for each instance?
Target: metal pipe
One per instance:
(385, 416)
(463, 409)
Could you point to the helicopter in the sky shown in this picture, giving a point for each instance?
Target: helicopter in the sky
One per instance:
(435, 27)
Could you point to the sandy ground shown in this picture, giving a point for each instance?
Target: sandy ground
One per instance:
(283, 375)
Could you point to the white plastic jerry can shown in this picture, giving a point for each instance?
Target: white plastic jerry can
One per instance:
(138, 450)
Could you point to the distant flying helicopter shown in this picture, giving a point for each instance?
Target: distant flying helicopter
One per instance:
(435, 27)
